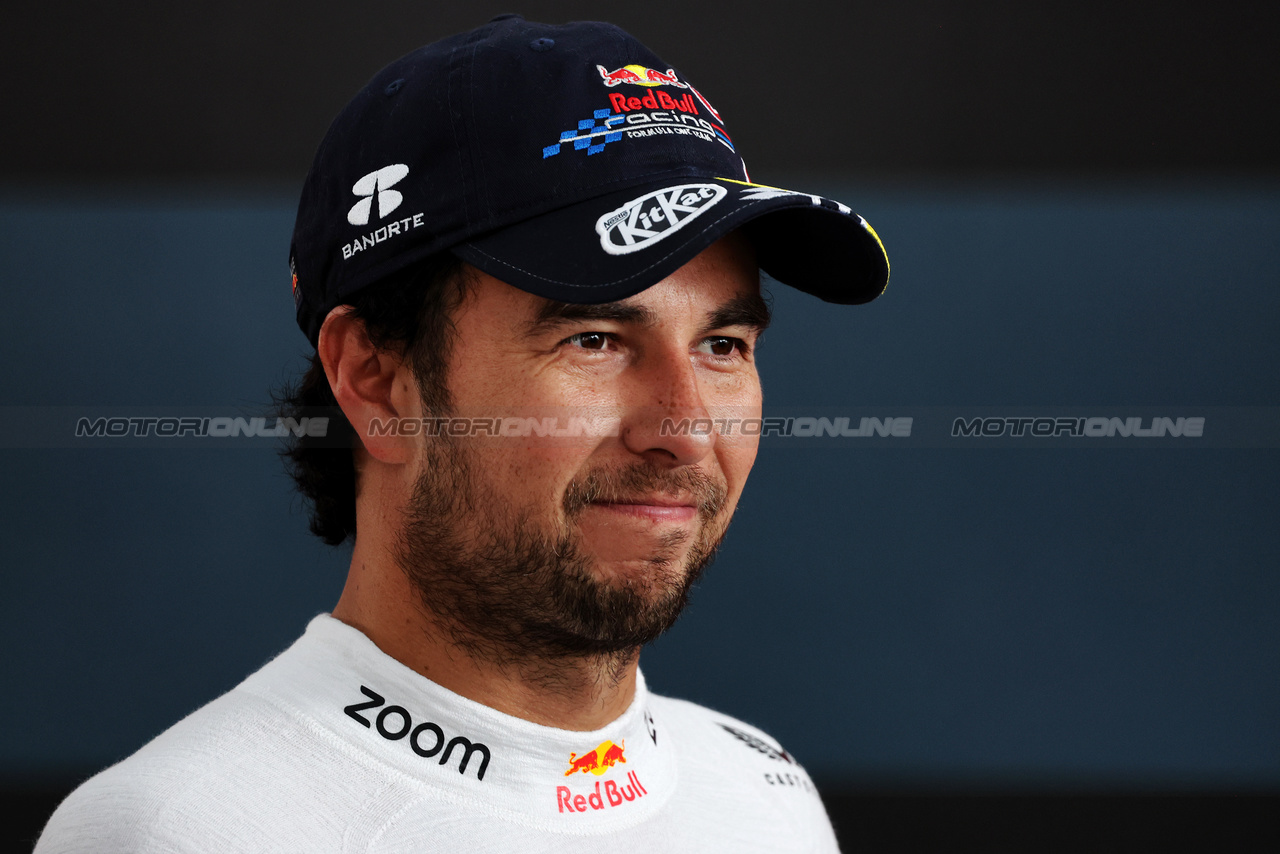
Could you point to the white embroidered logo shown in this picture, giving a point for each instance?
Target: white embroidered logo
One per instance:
(761, 193)
(644, 221)
(377, 183)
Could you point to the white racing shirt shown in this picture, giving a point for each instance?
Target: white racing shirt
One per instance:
(335, 746)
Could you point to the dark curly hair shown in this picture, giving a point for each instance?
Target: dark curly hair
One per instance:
(409, 312)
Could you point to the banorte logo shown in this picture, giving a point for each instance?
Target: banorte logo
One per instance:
(372, 188)
(374, 185)
(606, 793)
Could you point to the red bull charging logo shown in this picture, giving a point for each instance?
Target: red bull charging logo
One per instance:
(599, 760)
(640, 76)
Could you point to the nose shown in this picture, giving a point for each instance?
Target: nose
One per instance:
(666, 419)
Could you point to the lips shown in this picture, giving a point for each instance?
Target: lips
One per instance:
(646, 489)
(666, 511)
(652, 501)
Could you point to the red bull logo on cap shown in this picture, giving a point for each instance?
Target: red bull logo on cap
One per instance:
(599, 760)
(639, 75)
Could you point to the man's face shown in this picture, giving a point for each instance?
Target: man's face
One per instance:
(587, 544)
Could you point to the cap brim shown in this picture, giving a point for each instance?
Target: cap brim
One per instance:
(615, 245)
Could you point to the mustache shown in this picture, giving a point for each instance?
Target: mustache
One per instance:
(632, 483)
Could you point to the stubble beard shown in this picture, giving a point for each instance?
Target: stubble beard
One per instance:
(513, 589)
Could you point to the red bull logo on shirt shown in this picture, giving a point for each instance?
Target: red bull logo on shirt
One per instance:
(605, 793)
(611, 795)
(640, 76)
(599, 760)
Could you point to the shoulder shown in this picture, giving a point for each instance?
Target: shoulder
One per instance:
(715, 736)
(743, 771)
(212, 782)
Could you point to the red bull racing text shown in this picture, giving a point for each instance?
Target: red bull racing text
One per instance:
(606, 793)
(654, 100)
(639, 75)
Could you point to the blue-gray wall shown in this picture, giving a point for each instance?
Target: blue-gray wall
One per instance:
(919, 612)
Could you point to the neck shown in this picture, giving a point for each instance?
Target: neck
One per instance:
(583, 692)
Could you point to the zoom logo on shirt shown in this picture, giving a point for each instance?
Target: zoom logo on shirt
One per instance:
(425, 739)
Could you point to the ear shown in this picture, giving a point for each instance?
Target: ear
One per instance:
(368, 383)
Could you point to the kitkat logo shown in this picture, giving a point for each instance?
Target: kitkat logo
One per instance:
(644, 221)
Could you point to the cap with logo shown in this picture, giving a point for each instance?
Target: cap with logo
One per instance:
(568, 161)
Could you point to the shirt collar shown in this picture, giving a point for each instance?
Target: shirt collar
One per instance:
(338, 679)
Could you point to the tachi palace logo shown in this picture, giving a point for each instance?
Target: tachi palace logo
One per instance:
(599, 760)
(644, 221)
(375, 186)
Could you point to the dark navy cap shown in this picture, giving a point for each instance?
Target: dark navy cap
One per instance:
(568, 161)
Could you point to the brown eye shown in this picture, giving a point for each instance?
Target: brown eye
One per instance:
(589, 340)
(720, 346)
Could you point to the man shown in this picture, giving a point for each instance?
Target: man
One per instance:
(525, 255)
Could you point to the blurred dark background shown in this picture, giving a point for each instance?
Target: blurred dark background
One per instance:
(1055, 648)
(243, 90)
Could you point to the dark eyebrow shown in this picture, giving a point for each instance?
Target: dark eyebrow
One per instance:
(555, 313)
(746, 310)
(749, 310)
